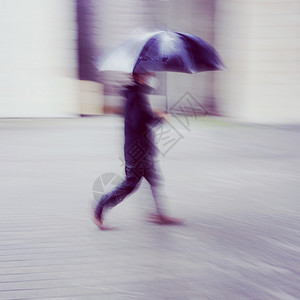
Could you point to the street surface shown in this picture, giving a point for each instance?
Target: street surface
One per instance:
(235, 185)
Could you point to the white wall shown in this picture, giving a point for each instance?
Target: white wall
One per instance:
(37, 58)
(260, 44)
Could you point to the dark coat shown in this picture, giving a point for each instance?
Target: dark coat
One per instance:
(139, 120)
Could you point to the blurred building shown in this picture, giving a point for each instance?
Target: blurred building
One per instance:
(50, 49)
(260, 44)
(38, 58)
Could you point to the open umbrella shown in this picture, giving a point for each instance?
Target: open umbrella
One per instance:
(163, 51)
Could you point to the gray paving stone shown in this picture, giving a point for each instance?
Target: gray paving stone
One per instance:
(236, 186)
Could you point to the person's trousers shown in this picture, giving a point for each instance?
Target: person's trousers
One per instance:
(134, 173)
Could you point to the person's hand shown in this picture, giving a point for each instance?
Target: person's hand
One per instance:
(162, 115)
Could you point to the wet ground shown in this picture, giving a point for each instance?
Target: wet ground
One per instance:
(235, 185)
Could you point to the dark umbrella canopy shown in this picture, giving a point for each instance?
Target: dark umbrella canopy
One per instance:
(163, 51)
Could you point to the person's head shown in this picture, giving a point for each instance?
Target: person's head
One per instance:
(146, 79)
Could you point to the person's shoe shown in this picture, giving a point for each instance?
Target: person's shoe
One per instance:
(99, 223)
(164, 220)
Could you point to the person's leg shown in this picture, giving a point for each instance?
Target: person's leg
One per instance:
(117, 195)
(154, 177)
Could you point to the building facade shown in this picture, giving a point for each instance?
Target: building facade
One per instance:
(38, 58)
(50, 50)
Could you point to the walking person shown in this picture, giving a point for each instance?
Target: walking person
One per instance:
(139, 152)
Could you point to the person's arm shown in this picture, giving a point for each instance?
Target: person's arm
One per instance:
(149, 116)
(140, 115)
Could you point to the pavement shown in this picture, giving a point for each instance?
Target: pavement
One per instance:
(236, 186)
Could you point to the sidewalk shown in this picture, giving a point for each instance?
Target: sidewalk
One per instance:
(236, 186)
